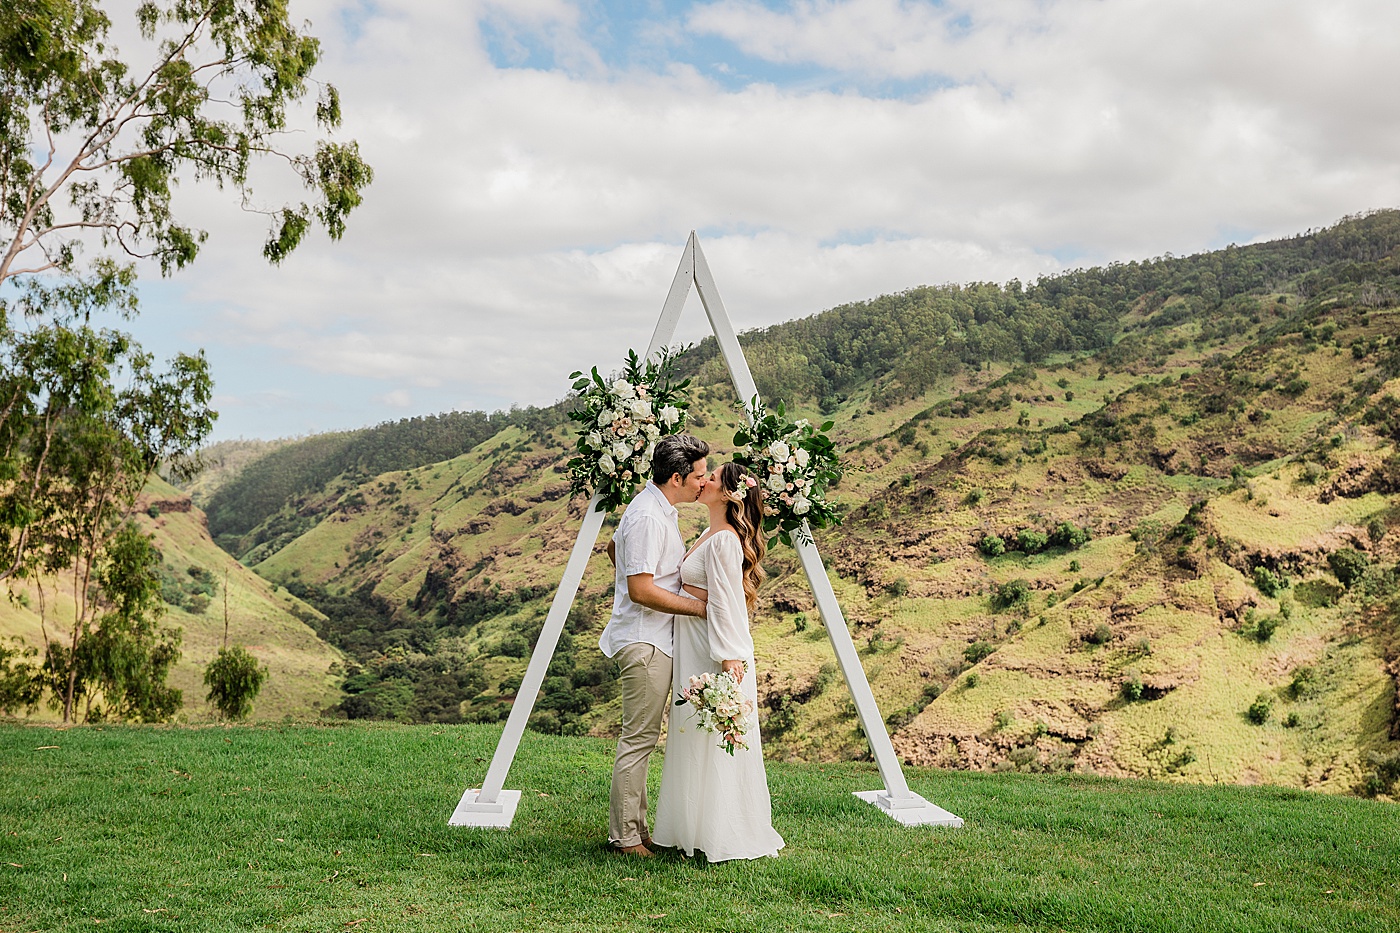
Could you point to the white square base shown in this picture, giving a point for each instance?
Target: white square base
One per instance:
(486, 815)
(910, 811)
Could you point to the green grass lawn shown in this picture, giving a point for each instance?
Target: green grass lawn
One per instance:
(329, 828)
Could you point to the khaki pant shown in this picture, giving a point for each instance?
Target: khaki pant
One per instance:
(646, 692)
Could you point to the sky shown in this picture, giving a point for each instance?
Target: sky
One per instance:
(540, 163)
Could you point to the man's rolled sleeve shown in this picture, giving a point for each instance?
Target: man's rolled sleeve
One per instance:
(643, 546)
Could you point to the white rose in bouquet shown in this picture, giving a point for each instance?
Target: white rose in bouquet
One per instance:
(653, 432)
(594, 440)
(801, 505)
(621, 451)
(623, 389)
(803, 457)
(776, 483)
(779, 451)
(607, 464)
(641, 408)
(670, 415)
(606, 417)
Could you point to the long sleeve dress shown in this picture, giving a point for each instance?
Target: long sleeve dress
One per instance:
(711, 801)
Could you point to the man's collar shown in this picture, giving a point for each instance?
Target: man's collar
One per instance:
(656, 490)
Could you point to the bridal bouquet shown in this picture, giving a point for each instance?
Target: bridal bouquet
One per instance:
(620, 423)
(796, 463)
(721, 707)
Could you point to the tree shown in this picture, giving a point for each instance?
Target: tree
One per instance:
(234, 679)
(92, 145)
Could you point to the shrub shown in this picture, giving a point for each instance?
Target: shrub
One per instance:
(799, 622)
(897, 587)
(1385, 771)
(153, 510)
(1069, 536)
(1131, 687)
(1031, 541)
(1304, 680)
(1014, 594)
(1260, 710)
(1348, 565)
(1101, 635)
(1002, 719)
(978, 651)
(1268, 582)
(1292, 721)
(992, 546)
(234, 679)
(972, 680)
(1074, 566)
(975, 496)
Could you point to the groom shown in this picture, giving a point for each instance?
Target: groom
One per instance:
(646, 552)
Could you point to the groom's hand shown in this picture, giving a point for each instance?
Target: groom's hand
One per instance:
(733, 667)
(643, 591)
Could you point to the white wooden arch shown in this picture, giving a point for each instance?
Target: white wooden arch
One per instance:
(493, 806)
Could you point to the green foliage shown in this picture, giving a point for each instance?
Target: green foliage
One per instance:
(799, 622)
(1269, 582)
(1383, 774)
(1031, 541)
(796, 463)
(992, 546)
(234, 679)
(208, 102)
(978, 651)
(21, 682)
(1130, 687)
(1014, 594)
(1069, 536)
(972, 680)
(1260, 710)
(1101, 634)
(1348, 565)
(1303, 683)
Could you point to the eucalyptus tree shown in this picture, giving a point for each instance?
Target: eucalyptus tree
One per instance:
(93, 143)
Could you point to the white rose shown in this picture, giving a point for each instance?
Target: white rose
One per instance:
(803, 458)
(623, 389)
(651, 452)
(641, 408)
(778, 450)
(801, 505)
(653, 432)
(670, 415)
(621, 451)
(607, 465)
(594, 440)
(607, 416)
(776, 483)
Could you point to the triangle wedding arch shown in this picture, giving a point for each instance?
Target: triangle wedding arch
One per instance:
(492, 806)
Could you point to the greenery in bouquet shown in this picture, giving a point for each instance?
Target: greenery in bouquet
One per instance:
(796, 464)
(620, 421)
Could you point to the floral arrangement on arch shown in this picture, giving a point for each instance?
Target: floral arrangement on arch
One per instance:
(796, 464)
(619, 424)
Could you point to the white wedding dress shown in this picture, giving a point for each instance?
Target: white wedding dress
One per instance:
(709, 800)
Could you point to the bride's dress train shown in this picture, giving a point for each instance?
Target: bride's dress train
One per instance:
(711, 801)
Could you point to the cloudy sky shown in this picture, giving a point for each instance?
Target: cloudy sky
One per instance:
(539, 164)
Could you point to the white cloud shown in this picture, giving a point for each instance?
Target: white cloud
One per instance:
(526, 222)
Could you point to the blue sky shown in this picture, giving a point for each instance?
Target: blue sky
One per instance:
(539, 164)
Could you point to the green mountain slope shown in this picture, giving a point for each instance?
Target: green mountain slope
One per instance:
(304, 672)
(1216, 425)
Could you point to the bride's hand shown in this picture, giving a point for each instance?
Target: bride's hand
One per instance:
(733, 667)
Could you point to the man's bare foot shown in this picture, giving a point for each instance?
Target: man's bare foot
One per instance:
(640, 850)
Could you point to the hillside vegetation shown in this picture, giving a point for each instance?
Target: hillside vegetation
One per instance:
(1131, 520)
(198, 581)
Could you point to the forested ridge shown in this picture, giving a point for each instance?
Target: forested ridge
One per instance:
(1211, 435)
(900, 344)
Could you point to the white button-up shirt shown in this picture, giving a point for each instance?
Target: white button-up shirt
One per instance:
(647, 540)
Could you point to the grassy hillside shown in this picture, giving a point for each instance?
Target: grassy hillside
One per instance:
(1190, 465)
(304, 671)
(330, 828)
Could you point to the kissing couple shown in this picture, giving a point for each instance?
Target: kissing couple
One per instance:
(679, 614)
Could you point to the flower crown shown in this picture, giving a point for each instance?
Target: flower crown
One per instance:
(739, 494)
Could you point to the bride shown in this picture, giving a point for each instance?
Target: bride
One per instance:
(709, 800)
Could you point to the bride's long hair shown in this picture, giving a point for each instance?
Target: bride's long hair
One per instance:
(743, 509)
